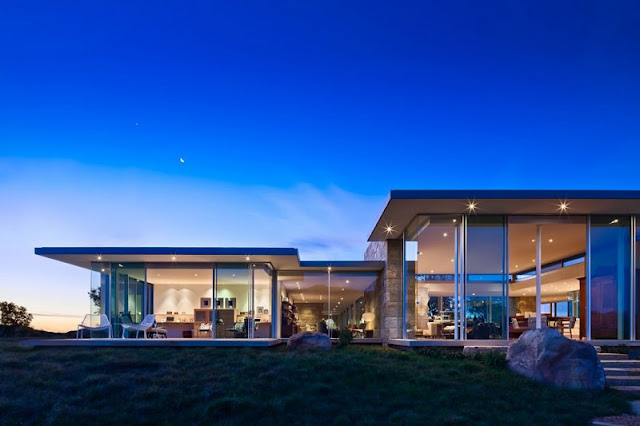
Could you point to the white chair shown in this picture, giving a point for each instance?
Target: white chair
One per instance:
(87, 322)
(143, 327)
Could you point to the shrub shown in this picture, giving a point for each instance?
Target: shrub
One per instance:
(491, 358)
(344, 336)
(441, 352)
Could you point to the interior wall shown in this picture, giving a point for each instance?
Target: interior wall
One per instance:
(179, 297)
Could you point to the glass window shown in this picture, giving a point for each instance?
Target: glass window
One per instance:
(304, 298)
(485, 277)
(180, 296)
(98, 291)
(127, 289)
(232, 300)
(262, 274)
(610, 277)
(430, 267)
(354, 303)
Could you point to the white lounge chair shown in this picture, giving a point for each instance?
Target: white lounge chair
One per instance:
(143, 327)
(87, 322)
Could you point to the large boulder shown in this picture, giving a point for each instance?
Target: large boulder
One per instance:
(545, 355)
(309, 341)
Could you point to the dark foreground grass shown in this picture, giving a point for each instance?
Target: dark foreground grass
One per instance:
(355, 385)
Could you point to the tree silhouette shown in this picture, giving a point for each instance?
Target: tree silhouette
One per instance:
(14, 315)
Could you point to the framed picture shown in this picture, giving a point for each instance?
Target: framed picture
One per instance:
(205, 302)
(266, 312)
(260, 310)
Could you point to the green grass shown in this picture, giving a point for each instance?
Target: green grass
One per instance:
(354, 385)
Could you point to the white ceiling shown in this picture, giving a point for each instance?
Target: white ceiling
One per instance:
(313, 288)
(436, 247)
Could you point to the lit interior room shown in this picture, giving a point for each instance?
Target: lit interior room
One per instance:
(183, 301)
(310, 304)
(563, 283)
(431, 263)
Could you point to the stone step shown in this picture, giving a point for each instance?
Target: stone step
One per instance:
(623, 380)
(631, 389)
(612, 356)
(618, 371)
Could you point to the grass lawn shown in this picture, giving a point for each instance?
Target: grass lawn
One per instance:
(356, 385)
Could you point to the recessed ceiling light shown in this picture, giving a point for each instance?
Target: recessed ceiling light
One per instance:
(343, 289)
(614, 221)
(516, 266)
(444, 234)
(533, 241)
(173, 258)
(247, 258)
(550, 240)
(455, 220)
(432, 271)
(120, 265)
(341, 298)
(195, 275)
(102, 269)
(99, 257)
(452, 260)
(533, 260)
(347, 281)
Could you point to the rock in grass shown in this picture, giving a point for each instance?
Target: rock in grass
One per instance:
(309, 341)
(545, 355)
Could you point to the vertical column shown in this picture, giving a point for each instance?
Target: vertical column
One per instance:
(215, 315)
(276, 306)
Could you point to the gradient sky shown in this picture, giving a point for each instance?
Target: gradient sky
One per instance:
(294, 119)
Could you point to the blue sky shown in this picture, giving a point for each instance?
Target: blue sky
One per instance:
(293, 115)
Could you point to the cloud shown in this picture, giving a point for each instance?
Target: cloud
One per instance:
(63, 203)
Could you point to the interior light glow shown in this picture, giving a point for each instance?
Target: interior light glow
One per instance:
(614, 221)
(550, 240)
(173, 258)
(247, 258)
(472, 206)
(347, 281)
(99, 257)
(445, 234)
(102, 270)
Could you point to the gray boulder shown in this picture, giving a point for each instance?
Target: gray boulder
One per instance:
(309, 341)
(545, 355)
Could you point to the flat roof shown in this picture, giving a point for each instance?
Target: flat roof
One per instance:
(280, 258)
(403, 205)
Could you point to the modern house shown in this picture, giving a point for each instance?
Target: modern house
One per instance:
(442, 267)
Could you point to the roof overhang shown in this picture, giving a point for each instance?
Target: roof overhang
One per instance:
(403, 205)
(279, 258)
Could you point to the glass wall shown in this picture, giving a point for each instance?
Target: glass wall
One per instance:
(610, 238)
(304, 299)
(127, 294)
(233, 302)
(431, 268)
(485, 278)
(325, 302)
(262, 278)
(180, 296)
(355, 301)
(98, 291)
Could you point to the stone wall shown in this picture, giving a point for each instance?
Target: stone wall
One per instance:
(309, 313)
(390, 292)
